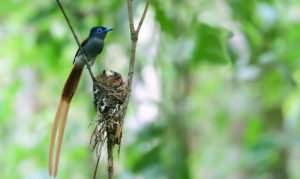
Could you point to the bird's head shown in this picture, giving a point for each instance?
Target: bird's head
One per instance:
(99, 31)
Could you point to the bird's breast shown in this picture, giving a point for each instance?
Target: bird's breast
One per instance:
(94, 47)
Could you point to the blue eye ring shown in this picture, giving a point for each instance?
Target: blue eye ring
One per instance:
(99, 31)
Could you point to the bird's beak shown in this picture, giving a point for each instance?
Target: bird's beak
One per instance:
(108, 29)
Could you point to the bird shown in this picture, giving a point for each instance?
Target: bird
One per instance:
(92, 47)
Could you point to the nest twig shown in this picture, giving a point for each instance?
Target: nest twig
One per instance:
(110, 93)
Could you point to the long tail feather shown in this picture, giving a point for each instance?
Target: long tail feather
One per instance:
(53, 136)
(61, 118)
(60, 136)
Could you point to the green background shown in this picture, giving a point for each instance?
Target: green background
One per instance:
(215, 92)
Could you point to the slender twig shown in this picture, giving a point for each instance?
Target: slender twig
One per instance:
(110, 159)
(143, 17)
(96, 168)
(76, 39)
(134, 38)
(130, 17)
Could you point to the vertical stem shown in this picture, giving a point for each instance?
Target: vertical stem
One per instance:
(96, 168)
(131, 65)
(130, 16)
(110, 158)
(134, 38)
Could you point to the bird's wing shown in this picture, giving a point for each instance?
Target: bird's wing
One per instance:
(82, 44)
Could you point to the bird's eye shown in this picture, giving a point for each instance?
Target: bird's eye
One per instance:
(99, 31)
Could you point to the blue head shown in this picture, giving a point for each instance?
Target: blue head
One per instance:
(99, 31)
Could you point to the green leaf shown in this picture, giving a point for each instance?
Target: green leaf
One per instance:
(211, 45)
(165, 20)
(150, 158)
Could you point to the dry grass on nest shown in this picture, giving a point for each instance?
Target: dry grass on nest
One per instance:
(110, 93)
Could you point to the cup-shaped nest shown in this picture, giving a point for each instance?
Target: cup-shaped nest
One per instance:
(110, 92)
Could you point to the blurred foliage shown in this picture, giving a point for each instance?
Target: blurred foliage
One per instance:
(215, 91)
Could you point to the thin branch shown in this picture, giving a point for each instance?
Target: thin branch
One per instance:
(134, 38)
(110, 159)
(143, 17)
(76, 39)
(96, 168)
(131, 65)
(130, 17)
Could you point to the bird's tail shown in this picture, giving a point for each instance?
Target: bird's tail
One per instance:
(61, 118)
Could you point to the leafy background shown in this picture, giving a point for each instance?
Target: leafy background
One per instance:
(215, 92)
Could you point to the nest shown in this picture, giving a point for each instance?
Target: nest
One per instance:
(110, 94)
